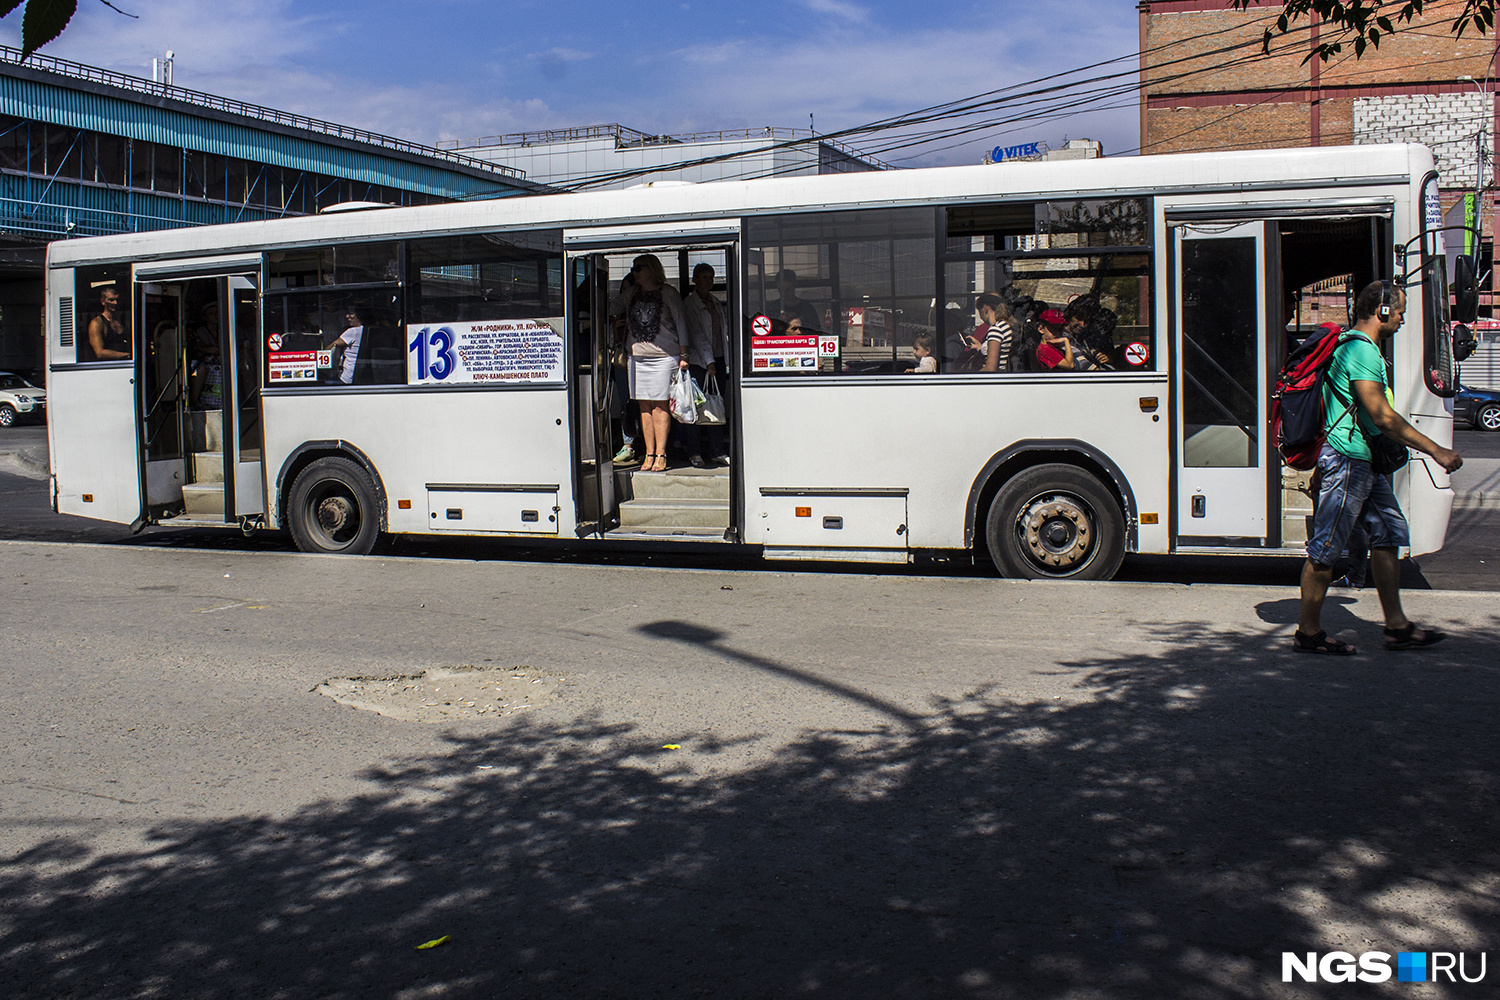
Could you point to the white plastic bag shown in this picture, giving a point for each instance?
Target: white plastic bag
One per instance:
(683, 398)
(711, 411)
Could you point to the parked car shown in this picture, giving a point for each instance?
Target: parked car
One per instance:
(1480, 407)
(19, 398)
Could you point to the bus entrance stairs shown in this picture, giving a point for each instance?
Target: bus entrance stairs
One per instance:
(203, 496)
(683, 504)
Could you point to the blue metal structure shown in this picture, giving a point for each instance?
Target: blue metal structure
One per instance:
(85, 151)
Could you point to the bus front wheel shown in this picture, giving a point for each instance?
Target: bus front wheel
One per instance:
(332, 508)
(1055, 522)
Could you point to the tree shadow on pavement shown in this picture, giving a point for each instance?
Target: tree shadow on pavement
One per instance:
(1166, 831)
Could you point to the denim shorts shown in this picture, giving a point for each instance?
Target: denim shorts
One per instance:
(1351, 493)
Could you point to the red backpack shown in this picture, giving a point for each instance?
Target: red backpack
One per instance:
(1299, 424)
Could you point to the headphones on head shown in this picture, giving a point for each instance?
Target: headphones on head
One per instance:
(1385, 299)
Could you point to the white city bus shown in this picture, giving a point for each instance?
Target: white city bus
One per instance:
(481, 399)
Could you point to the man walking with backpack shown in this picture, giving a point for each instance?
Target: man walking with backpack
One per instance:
(1357, 401)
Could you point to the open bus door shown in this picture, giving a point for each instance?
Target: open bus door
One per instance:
(594, 373)
(93, 424)
(1221, 313)
(200, 427)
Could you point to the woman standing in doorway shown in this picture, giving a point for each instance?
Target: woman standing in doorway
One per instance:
(658, 341)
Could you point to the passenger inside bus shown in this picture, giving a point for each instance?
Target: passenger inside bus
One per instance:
(205, 367)
(1054, 351)
(350, 340)
(995, 337)
(792, 304)
(107, 336)
(1090, 329)
(921, 351)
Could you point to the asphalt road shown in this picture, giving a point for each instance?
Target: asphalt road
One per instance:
(728, 784)
(1469, 561)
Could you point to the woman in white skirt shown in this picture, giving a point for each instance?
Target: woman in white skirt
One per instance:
(658, 341)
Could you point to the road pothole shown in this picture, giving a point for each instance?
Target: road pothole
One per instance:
(446, 694)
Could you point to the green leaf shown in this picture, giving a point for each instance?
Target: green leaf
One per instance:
(1385, 24)
(43, 21)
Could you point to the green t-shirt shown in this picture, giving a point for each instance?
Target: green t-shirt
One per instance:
(1357, 361)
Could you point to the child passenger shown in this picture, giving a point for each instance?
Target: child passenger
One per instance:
(921, 350)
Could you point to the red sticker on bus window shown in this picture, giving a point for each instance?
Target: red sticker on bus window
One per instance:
(760, 326)
(1136, 353)
(274, 341)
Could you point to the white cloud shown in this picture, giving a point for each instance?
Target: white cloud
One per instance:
(839, 8)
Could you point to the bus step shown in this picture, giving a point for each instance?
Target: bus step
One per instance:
(678, 484)
(204, 499)
(208, 466)
(674, 514)
(679, 534)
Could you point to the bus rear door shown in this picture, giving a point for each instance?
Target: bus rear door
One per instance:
(1220, 314)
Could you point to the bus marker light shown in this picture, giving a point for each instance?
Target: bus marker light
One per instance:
(88, 498)
(1148, 518)
(804, 512)
(1148, 404)
(403, 505)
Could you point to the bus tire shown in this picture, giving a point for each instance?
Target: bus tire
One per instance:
(332, 508)
(1055, 522)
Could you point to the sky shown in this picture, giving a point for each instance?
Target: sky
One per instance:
(429, 70)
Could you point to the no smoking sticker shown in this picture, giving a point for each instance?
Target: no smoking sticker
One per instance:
(274, 341)
(760, 326)
(1136, 354)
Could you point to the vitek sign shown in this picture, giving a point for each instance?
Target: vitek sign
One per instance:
(1379, 967)
(1023, 151)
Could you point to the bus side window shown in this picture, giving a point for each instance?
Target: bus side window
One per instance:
(103, 314)
(1088, 260)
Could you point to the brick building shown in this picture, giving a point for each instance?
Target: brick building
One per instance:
(1205, 84)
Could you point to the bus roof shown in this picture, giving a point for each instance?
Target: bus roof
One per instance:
(1186, 173)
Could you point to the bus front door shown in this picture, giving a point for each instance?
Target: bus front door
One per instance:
(594, 395)
(1222, 454)
(200, 402)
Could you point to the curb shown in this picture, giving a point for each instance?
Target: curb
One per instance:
(37, 462)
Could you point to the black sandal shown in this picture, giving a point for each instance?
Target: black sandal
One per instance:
(1412, 637)
(1321, 643)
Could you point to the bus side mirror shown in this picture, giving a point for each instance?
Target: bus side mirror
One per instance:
(1464, 343)
(1465, 290)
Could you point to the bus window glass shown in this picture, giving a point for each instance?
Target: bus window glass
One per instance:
(334, 338)
(1008, 266)
(840, 292)
(486, 276)
(103, 311)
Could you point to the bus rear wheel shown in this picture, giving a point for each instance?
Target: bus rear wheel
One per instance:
(332, 508)
(1055, 522)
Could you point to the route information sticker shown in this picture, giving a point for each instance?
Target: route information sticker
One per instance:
(506, 350)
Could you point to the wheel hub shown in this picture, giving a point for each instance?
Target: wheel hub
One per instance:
(334, 513)
(1057, 531)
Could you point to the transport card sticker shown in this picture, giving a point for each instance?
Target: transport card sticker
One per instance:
(784, 355)
(505, 350)
(292, 366)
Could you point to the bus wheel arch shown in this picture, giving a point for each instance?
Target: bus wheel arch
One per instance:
(1087, 485)
(331, 498)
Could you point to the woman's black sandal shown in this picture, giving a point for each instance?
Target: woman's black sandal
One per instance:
(1321, 643)
(1412, 637)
